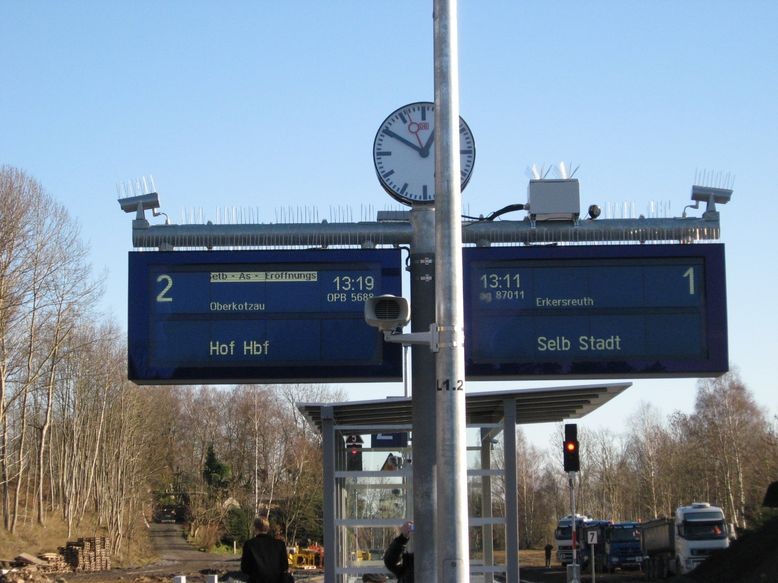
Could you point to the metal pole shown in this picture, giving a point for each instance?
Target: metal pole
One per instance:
(594, 569)
(486, 496)
(511, 485)
(452, 521)
(574, 532)
(422, 269)
(330, 491)
(573, 571)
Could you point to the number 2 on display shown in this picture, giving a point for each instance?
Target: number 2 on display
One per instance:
(167, 282)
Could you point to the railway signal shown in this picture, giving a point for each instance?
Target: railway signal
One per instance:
(570, 448)
(354, 457)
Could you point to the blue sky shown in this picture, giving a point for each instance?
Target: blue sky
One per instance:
(274, 105)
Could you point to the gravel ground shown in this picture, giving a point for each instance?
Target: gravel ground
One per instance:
(752, 559)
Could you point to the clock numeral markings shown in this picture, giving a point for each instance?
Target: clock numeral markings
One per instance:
(402, 118)
(424, 191)
(404, 188)
(383, 153)
(423, 113)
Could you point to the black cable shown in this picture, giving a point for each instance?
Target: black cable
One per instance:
(508, 209)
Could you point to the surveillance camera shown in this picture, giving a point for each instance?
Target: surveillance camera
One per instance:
(594, 211)
(387, 312)
(710, 194)
(143, 202)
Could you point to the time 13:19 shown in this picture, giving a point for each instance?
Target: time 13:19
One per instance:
(354, 283)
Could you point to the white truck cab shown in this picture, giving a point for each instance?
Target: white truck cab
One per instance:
(700, 530)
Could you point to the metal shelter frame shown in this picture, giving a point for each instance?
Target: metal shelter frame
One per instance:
(491, 412)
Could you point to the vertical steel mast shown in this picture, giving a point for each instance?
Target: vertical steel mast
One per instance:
(452, 520)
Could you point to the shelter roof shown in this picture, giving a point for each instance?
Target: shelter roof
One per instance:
(540, 405)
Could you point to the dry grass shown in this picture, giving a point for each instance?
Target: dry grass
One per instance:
(33, 539)
(527, 558)
(532, 558)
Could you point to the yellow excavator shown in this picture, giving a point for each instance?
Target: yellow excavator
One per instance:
(310, 557)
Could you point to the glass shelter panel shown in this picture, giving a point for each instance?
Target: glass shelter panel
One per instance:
(374, 496)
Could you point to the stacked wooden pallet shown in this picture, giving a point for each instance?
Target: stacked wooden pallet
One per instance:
(55, 562)
(87, 554)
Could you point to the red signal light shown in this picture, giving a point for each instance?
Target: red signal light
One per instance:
(354, 459)
(570, 448)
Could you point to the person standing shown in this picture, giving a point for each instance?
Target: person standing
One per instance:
(548, 548)
(264, 557)
(396, 559)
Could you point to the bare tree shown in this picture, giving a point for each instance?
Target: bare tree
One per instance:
(647, 439)
(19, 194)
(529, 466)
(609, 474)
(43, 280)
(725, 426)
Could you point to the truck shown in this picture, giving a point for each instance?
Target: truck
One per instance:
(679, 544)
(593, 537)
(611, 545)
(622, 546)
(566, 536)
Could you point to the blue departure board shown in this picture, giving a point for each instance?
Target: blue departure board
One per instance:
(595, 311)
(259, 316)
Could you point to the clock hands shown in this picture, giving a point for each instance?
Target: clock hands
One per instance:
(414, 128)
(425, 151)
(391, 134)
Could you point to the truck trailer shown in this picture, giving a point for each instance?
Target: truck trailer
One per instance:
(677, 545)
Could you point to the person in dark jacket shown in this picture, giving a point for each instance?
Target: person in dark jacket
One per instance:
(396, 559)
(264, 557)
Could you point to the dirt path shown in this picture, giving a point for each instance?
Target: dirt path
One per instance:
(177, 557)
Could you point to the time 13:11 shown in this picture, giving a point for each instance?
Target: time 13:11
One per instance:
(500, 280)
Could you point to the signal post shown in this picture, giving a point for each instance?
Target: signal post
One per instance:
(572, 466)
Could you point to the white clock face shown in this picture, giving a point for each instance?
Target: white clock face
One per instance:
(404, 153)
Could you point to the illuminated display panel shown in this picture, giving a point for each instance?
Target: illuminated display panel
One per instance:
(595, 311)
(259, 316)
